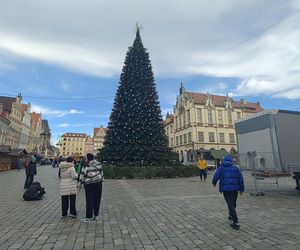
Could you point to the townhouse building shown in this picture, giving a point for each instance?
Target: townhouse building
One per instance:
(205, 121)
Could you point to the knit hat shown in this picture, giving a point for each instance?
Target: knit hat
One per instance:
(90, 157)
(33, 159)
(228, 158)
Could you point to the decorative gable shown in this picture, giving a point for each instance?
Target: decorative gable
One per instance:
(182, 102)
(208, 101)
(228, 103)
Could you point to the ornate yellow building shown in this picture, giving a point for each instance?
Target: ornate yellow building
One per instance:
(72, 143)
(12, 107)
(35, 143)
(99, 136)
(89, 145)
(205, 121)
(4, 125)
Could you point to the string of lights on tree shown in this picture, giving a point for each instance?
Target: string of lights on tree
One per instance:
(136, 134)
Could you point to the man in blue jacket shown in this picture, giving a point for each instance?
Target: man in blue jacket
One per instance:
(231, 181)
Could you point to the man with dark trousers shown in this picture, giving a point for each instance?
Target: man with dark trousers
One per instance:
(30, 172)
(91, 177)
(231, 182)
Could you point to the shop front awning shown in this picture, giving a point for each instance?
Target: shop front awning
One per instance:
(218, 153)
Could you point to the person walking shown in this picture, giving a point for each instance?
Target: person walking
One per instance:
(202, 166)
(30, 172)
(230, 182)
(68, 187)
(92, 177)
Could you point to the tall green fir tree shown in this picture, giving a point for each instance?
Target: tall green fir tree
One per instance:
(136, 133)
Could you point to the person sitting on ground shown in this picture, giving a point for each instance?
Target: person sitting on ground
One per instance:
(34, 192)
(68, 187)
(231, 181)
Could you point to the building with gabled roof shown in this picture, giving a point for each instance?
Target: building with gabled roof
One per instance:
(89, 145)
(99, 137)
(73, 144)
(46, 148)
(35, 143)
(11, 108)
(4, 125)
(205, 121)
(26, 122)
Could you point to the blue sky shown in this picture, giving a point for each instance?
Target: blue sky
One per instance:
(67, 49)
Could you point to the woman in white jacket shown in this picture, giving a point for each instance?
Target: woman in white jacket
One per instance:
(68, 187)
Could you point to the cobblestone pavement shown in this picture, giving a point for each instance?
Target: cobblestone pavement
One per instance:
(180, 213)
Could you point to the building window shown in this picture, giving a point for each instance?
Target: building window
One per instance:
(231, 138)
(171, 128)
(188, 115)
(200, 136)
(238, 115)
(171, 142)
(176, 140)
(229, 117)
(220, 117)
(209, 116)
(199, 115)
(183, 119)
(180, 139)
(211, 136)
(222, 137)
(189, 137)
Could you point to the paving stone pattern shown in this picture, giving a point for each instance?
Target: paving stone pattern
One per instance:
(181, 213)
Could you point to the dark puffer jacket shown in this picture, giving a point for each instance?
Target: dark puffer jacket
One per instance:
(31, 168)
(230, 176)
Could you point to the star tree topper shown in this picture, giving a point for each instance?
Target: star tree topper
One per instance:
(138, 27)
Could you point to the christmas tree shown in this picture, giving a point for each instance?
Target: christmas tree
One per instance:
(136, 134)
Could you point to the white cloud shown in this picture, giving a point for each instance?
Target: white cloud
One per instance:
(165, 111)
(222, 86)
(65, 125)
(266, 66)
(66, 87)
(183, 39)
(48, 112)
(68, 55)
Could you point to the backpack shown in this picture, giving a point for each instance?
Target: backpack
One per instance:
(34, 192)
